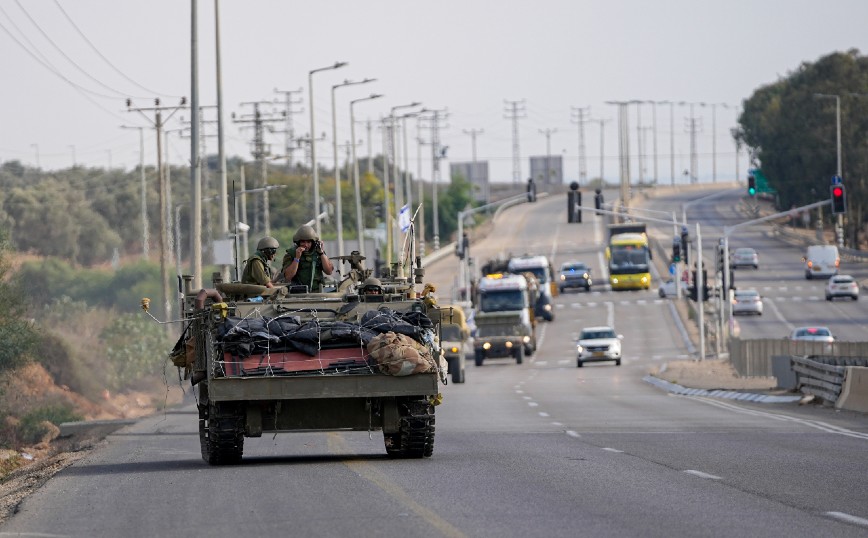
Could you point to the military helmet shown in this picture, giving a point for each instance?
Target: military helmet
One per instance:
(372, 285)
(371, 281)
(267, 242)
(305, 233)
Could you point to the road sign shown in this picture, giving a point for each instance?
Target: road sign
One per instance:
(836, 180)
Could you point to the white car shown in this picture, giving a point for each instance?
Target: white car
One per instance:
(598, 344)
(812, 334)
(747, 301)
(842, 286)
(744, 257)
(667, 289)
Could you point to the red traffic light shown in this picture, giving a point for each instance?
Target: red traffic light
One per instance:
(839, 205)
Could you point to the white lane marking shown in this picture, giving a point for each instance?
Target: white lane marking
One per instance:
(823, 426)
(528, 397)
(543, 414)
(519, 392)
(557, 424)
(614, 450)
(700, 474)
(541, 363)
(533, 404)
(571, 433)
(610, 313)
(778, 314)
(848, 518)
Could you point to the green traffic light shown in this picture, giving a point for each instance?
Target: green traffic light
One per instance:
(751, 191)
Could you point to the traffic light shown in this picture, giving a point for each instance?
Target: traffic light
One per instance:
(839, 202)
(694, 296)
(676, 252)
(751, 185)
(685, 240)
(598, 199)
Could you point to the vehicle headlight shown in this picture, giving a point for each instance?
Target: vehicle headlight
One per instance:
(579, 348)
(585, 275)
(508, 344)
(547, 308)
(454, 349)
(614, 280)
(563, 277)
(526, 339)
(486, 346)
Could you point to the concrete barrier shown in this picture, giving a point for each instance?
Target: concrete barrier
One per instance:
(854, 391)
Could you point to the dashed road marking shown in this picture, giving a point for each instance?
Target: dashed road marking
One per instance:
(614, 450)
(700, 474)
(571, 433)
(848, 518)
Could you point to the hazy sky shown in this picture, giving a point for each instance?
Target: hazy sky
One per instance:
(467, 56)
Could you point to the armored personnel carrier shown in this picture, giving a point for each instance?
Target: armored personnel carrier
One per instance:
(268, 360)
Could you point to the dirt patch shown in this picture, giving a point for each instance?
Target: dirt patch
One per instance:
(710, 374)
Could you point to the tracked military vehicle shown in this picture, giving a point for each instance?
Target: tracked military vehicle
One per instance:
(267, 360)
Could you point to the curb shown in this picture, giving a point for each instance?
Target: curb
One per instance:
(718, 393)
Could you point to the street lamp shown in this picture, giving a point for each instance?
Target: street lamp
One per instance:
(837, 99)
(336, 65)
(359, 220)
(338, 202)
(399, 200)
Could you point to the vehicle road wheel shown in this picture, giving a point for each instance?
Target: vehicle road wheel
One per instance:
(617, 362)
(415, 436)
(661, 293)
(579, 363)
(221, 433)
(457, 373)
(855, 297)
(828, 297)
(519, 354)
(478, 358)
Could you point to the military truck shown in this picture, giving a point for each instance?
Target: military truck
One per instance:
(505, 321)
(269, 360)
(454, 339)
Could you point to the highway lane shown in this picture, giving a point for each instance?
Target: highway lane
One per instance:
(539, 449)
(789, 299)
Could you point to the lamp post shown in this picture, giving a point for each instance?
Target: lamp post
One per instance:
(840, 220)
(837, 99)
(399, 199)
(359, 219)
(338, 201)
(310, 74)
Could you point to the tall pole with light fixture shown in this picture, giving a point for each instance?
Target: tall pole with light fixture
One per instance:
(360, 227)
(316, 201)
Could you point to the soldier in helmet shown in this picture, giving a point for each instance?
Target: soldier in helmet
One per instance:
(307, 263)
(257, 269)
(372, 286)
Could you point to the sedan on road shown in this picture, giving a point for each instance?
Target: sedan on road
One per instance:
(598, 344)
(812, 334)
(574, 275)
(842, 286)
(744, 257)
(667, 289)
(747, 301)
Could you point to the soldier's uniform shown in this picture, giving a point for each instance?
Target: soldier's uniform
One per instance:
(256, 270)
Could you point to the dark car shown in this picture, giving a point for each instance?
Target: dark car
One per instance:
(574, 275)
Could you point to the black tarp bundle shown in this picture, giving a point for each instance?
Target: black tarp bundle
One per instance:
(243, 337)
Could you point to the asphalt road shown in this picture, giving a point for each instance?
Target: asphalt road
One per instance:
(538, 449)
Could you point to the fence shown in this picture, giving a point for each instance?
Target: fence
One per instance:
(753, 358)
(819, 378)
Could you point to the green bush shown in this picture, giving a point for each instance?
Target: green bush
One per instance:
(135, 348)
(31, 429)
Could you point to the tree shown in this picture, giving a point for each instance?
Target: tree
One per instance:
(16, 331)
(791, 132)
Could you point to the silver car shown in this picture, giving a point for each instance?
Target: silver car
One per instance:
(842, 286)
(744, 257)
(812, 334)
(747, 301)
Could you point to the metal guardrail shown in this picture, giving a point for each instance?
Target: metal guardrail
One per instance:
(793, 237)
(818, 378)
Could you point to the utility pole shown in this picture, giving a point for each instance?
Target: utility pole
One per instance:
(158, 122)
(548, 134)
(145, 224)
(289, 130)
(421, 226)
(260, 153)
(578, 116)
(602, 149)
(623, 147)
(437, 153)
(692, 127)
(473, 133)
(515, 111)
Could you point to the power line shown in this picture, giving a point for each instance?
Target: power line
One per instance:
(106, 60)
